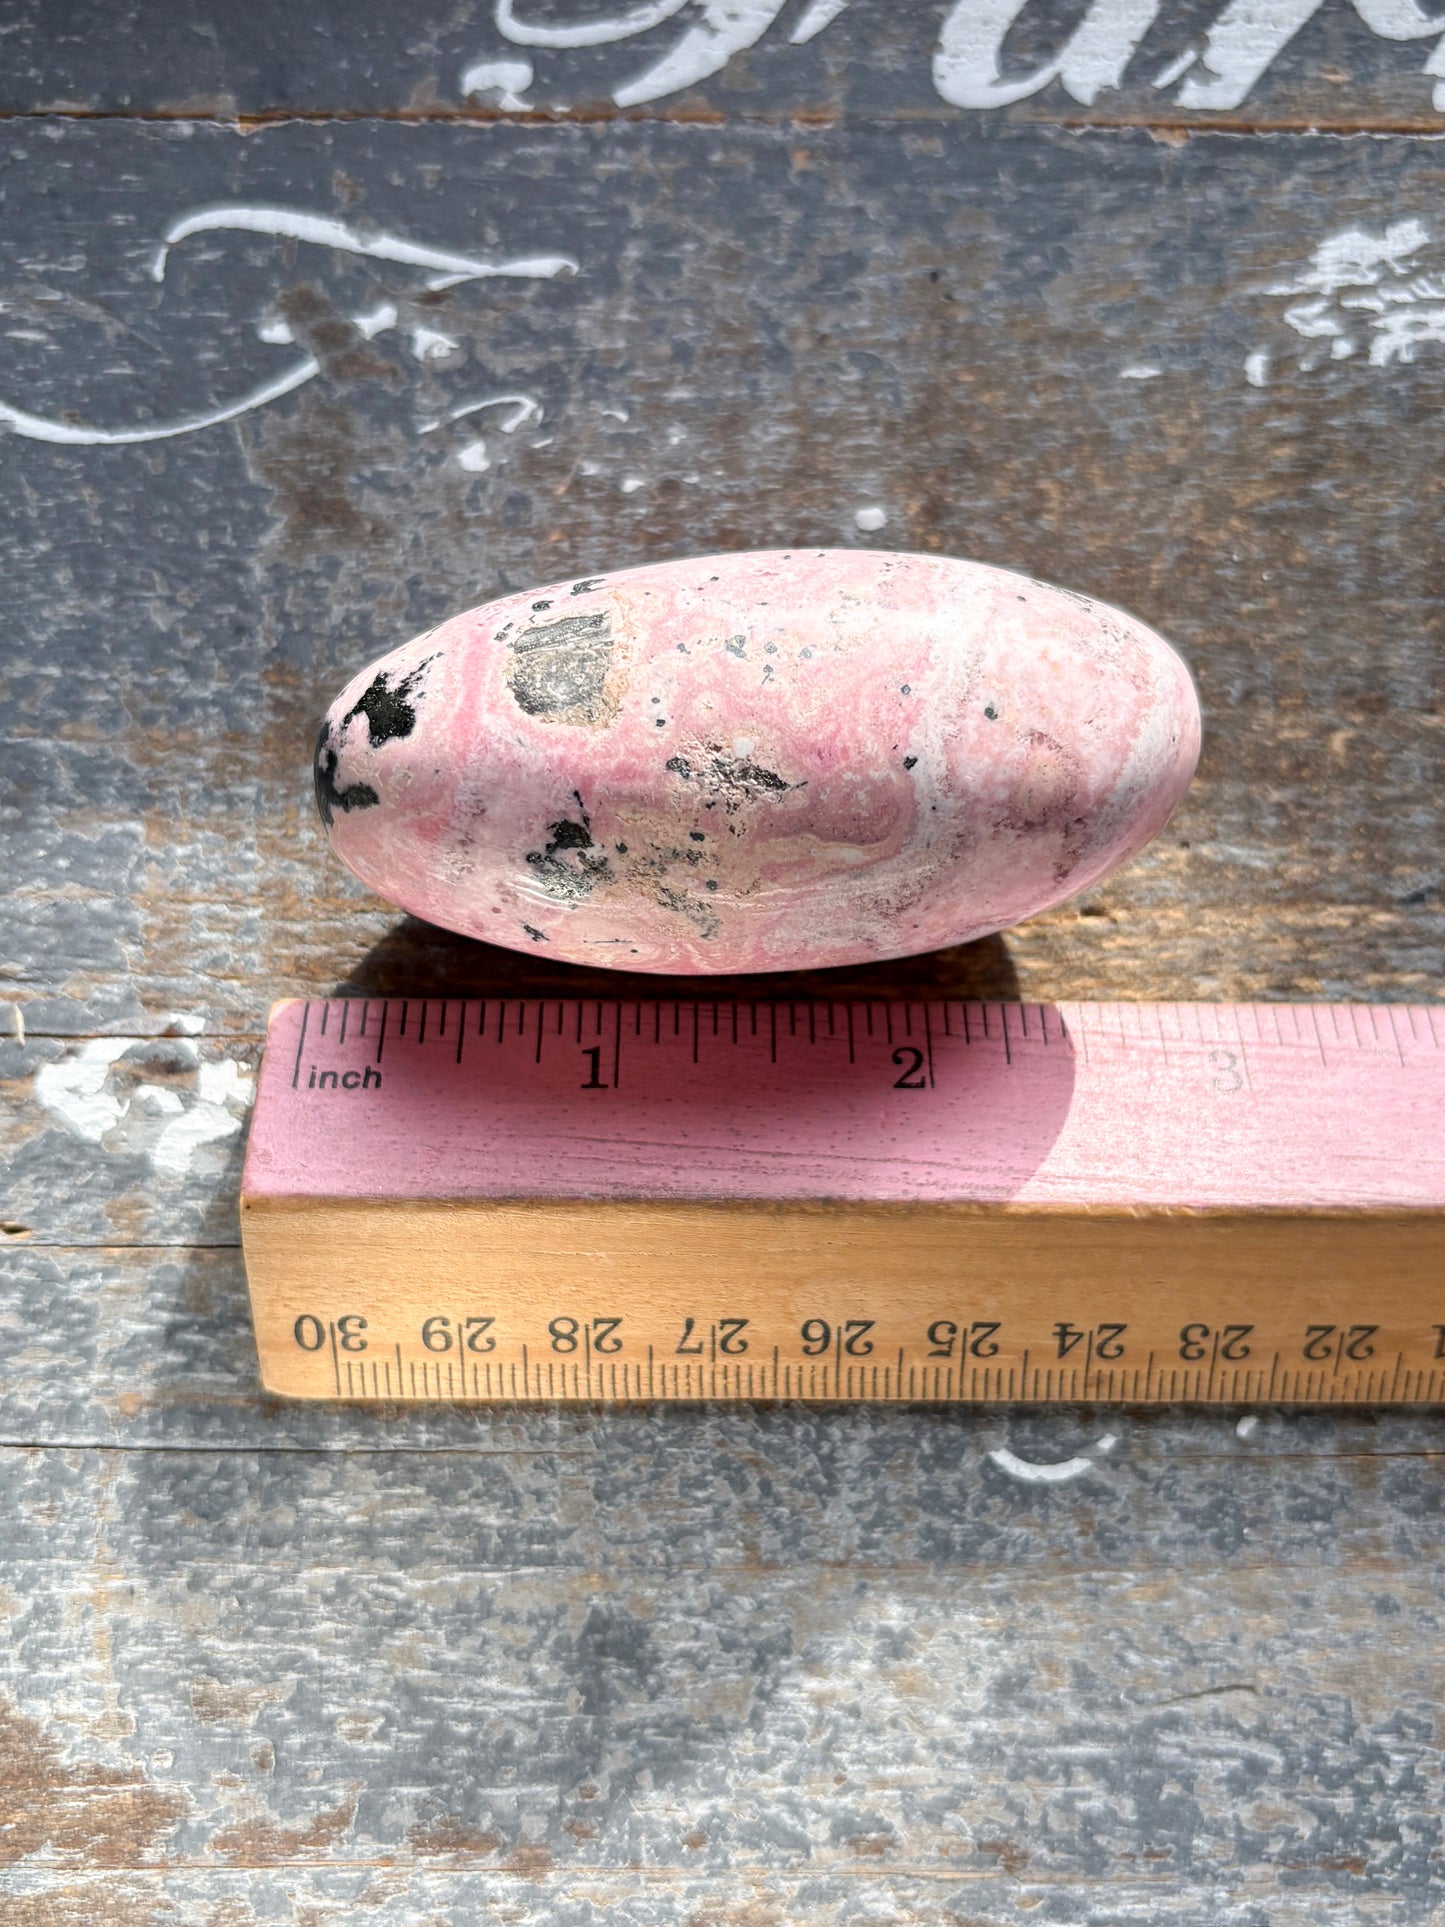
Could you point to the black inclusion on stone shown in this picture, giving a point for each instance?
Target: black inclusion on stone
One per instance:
(390, 712)
(387, 707)
(329, 798)
(569, 836)
(571, 881)
(731, 778)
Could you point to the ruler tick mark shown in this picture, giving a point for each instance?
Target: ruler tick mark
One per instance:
(300, 1045)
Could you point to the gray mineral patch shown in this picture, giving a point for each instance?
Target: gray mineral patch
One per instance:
(731, 779)
(558, 670)
(569, 881)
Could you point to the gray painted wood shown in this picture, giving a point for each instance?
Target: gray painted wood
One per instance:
(268, 1664)
(401, 1899)
(1184, 63)
(828, 1659)
(819, 1663)
(958, 329)
(1039, 1733)
(123, 1141)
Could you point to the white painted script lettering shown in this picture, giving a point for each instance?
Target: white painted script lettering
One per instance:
(970, 69)
(817, 15)
(966, 68)
(295, 224)
(1239, 48)
(1403, 20)
(444, 270)
(724, 28)
(1243, 42)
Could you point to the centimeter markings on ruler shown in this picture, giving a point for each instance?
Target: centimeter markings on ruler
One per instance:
(539, 1199)
(392, 1376)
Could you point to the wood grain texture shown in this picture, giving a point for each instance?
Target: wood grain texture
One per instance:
(980, 1305)
(133, 1348)
(952, 319)
(268, 1665)
(683, 1663)
(730, 1727)
(1175, 64)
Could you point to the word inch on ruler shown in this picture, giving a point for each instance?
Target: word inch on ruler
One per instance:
(575, 1199)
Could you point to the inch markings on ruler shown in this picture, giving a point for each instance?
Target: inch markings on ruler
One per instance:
(574, 1199)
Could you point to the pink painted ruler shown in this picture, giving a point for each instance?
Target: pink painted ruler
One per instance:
(1023, 1160)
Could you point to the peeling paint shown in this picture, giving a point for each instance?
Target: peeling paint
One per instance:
(1380, 292)
(167, 1125)
(1050, 1471)
(74, 1089)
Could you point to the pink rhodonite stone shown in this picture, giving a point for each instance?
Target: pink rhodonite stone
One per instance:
(757, 762)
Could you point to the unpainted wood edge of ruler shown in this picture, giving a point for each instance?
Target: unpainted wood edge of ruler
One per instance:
(253, 1202)
(840, 1402)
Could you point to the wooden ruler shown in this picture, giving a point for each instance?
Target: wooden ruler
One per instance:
(565, 1199)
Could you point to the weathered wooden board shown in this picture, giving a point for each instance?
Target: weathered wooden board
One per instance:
(268, 1664)
(689, 1663)
(1070, 354)
(1165, 63)
(123, 1141)
(748, 1722)
(395, 1899)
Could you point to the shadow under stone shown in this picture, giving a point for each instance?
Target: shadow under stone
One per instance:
(417, 959)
